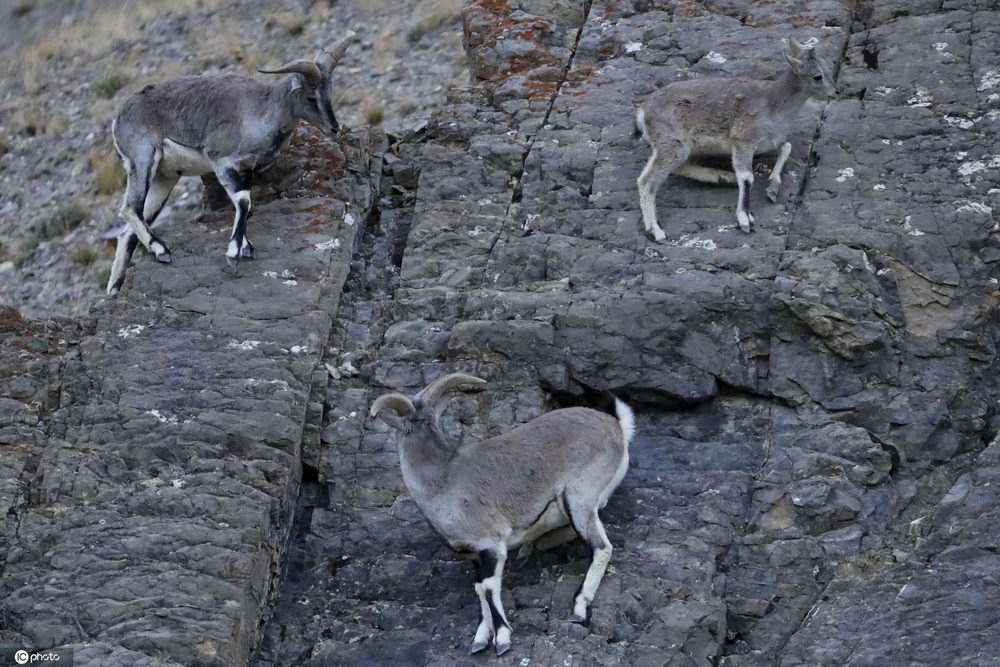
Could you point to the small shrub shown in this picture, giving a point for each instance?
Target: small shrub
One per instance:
(406, 105)
(23, 7)
(85, 255)
(416, 33)
(103, 274)
(109, 177)
(436, 14)
(63, 219)
(294, 24)
(374, 113)
(110, 84)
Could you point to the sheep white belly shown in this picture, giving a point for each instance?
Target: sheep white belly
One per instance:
(553, 517)
(711, 145)
(181, 160)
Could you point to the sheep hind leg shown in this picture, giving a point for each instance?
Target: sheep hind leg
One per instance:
(140, 175)
(666, 157)
(588, 524)
(774, 182)
(697, 172)
(127, 242)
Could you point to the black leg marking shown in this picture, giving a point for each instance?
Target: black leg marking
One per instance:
(745, 199)
(494, 612)
(165, 255)
(487, 564)
(487, 568)
(234, 182)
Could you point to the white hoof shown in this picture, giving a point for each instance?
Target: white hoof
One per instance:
(579, 611)
(745, 220)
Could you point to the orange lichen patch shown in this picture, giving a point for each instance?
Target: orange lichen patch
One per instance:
(689, 8)
(316, 208)
(546, 86)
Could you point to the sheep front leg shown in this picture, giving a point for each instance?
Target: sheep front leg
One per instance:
(127, 242)
(774, 182)
(141, 175)
(493, 621)
(743, 166)
(237, 186)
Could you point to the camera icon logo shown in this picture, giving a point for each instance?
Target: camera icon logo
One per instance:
(21, 657)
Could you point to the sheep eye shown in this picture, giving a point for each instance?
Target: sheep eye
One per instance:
(311, 99)
(818, 77)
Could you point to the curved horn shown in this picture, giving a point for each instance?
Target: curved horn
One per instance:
(306, 68)
(441, 386)
(796, 48)
(330, 56)
(402, 405)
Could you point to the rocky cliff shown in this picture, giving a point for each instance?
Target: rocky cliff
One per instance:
(814, 479)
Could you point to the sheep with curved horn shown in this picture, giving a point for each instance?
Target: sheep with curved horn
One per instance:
(232, 126)
(486, 497)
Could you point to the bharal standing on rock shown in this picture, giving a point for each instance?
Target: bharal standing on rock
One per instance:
(231, 125)
(729, 117)
(486, 497)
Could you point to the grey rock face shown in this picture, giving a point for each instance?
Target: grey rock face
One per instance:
(806, 392)
(147, 524)
(813, 477)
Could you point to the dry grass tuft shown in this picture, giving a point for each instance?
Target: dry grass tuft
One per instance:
(110, 84)
(291, 22)
(374, 113)
(109, 177)
(406, 106)
(103, 274)
(32, 120)
(63, 219)
(433, 15)
(100, 32)
(4, 144)
(85, 255)
(23, 7)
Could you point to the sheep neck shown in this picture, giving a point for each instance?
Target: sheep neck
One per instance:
(425, 456)
(788, 93)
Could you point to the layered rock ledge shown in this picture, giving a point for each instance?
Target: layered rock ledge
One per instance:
(153, 486)
(808, 394)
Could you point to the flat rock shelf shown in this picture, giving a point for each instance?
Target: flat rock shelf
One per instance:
(149, 527)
